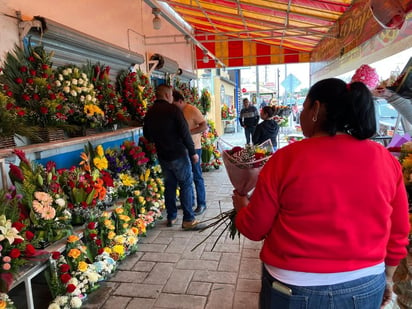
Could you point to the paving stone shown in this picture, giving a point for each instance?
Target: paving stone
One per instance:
(248, 285)
(140, 303)
(151, 235)
(250, 268)
(117, 302)
(160, 257)
(199, 288)
(129, 276)
(143, 266)
(224, 247)
(160, 273)
(250, 244)
(229, 262)
(130, 261)
(215, 276)
(221, 296)
(138, 290)
(213, 256)
(97, 298)
(180, 301)
(196, 264)
(152, 247)
(246, 300)
(177, 245)
(178, 281)
(163, 240)
(250, 253)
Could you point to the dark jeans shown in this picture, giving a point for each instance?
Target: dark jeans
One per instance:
(199, 182)
(249, 133)
(363, 293)
(178, 172)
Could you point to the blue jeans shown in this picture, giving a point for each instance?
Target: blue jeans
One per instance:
(178, 172)
(363, 293)
(199, 182)
(249, 133)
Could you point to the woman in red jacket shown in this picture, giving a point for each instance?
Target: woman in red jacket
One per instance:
(332, 209)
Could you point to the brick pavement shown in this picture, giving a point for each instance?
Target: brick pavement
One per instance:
(166, 273)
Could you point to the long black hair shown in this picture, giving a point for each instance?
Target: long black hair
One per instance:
(349, 107)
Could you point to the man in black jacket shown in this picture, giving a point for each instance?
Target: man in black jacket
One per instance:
(249, 118)
(166, 126)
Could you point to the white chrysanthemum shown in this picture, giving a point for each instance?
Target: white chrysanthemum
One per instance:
(75, 302)
(93, 277)
(66, 89)
(60, 77)
(94, 100)
(73, 281)
(54, 306)
(84, 76)
(65, 72)
(58, 83)
(61, 202)
(61, 300)
(88, 97)
(74, 81)
(80, 81)
(82, 98)
(73, 93)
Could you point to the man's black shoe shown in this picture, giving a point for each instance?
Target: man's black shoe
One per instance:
(199, 210)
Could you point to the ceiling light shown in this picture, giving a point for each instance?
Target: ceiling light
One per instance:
(157, 22)
(205, 57)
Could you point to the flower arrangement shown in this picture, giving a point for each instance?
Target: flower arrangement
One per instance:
(30, 80)
(211, 156)
(150, 151)
(6, 302)
(80, 96)
(205, 101)
(44, 200)
(110, 101)
(366, 75)
(191, 94)
(132, 87)
(228, 113)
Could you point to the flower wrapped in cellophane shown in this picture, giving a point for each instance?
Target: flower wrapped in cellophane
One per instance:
(243, 165)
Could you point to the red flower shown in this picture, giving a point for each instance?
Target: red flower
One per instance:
(29, 235)
(36, 97)
(18, 225)
(44, 110)
(70, 288)
(100, 251)
(18, 241)
(18, 80)
(32, 72)
(21, 112)
(56, 255)
(92, 225)
(14, 253)
(98, 242)
(92, 235)
(16, 173)
(25, 97)
(65, 278)
(30, 250)
(64, 268)
(23, 69)
(31, 59)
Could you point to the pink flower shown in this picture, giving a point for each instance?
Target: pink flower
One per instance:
(48, 213)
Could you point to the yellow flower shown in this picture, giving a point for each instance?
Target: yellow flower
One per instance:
(119, 249)
(136, 192)
(100, 163)
(119, 210)
(131, 240)
(82, 266)
(72, 238)
(107, 250)
(119, 239)
(74, 253)
(127, 180)
(100, 151)
(125, 225)
(107, 223)
(124, 218)
(135, 230)
(142, 210)
(111, 235)
(3, 304)
(141, 200)
(106, 214)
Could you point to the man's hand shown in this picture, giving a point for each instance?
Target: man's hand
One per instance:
(195, 158)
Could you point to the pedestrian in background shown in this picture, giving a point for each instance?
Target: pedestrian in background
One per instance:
(332, 209)
(166, 127)
(249, 118)
(267, 129)
(197, 124)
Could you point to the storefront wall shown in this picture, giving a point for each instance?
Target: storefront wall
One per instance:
(126, 24)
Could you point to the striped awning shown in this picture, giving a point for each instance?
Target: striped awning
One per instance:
(253, 32)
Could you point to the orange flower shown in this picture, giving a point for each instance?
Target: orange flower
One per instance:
(72, 238)
(74, 253)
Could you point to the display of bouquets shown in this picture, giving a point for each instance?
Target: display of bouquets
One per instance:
(205, 101)
(30, 79)
(44, 200)
(191, 94)
(124, 185)
(132, 88)
(80, 96)
(110, 101)
(228, 113)
(6, 302)
(211, 156)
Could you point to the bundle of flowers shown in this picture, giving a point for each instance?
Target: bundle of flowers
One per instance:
(131, 89)
(366, 75)
(110, 101)
(124, 185)
(243, 166)
(30, 80)
(44, 199)
(211, 156)
(205, 101)
(80, 96)
(228, 113)
(15, 247)
(136, 156)
(150, 151)
(191, 95)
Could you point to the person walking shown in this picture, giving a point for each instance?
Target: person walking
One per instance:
(332, 209)
(249, 118)
(165, 126)
(197, 124)
(267, 129)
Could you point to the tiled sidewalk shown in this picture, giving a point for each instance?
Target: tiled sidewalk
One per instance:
(166, 273)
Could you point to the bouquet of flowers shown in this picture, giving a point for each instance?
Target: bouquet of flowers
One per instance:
(227, 112)
(205, 101)
(243, 166)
